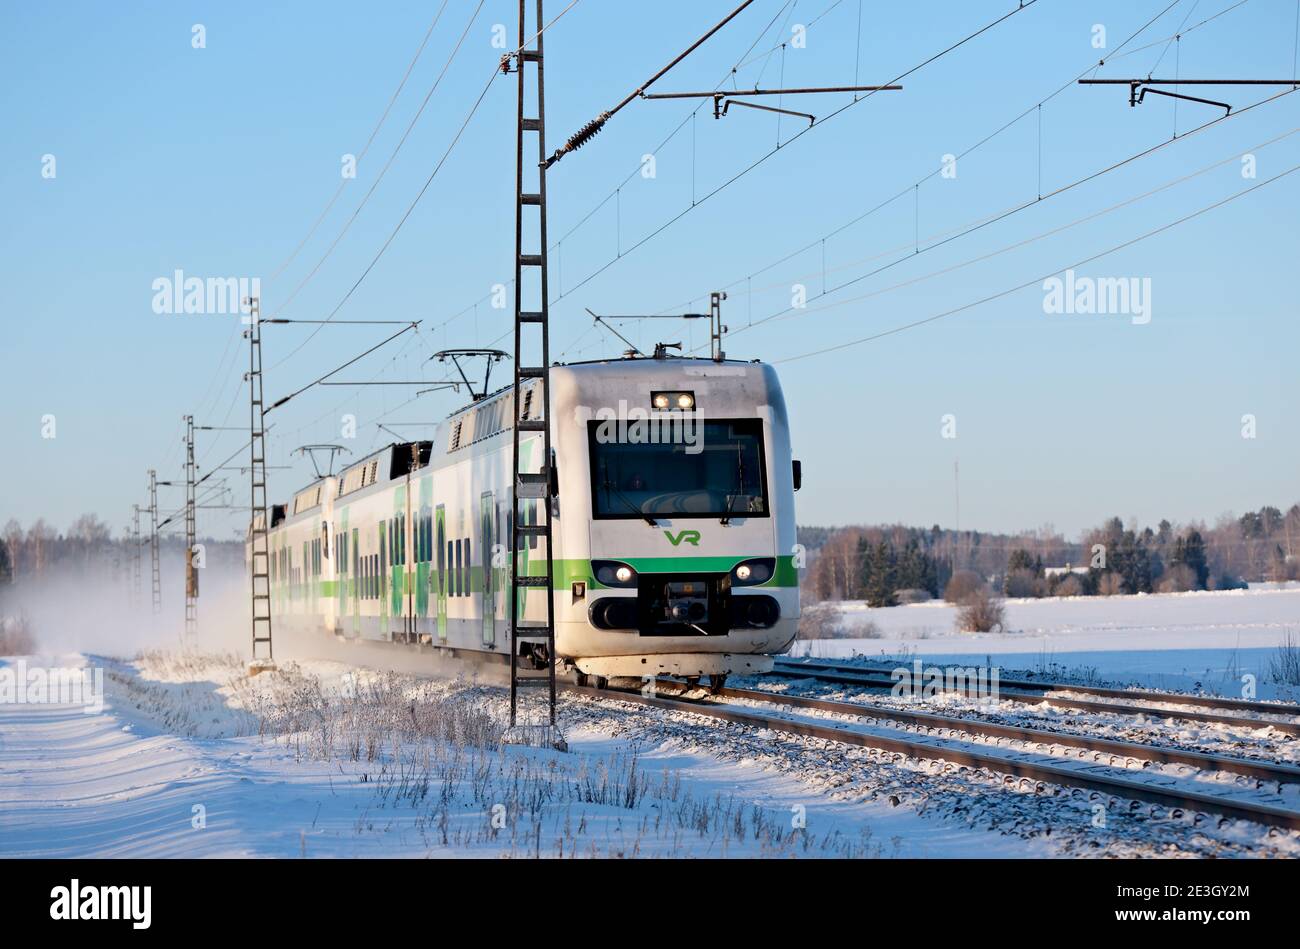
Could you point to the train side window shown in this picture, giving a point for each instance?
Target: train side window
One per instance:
(442, 563)
(459, 566)
(469, 568)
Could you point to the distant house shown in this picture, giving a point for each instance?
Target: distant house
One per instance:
(1062, 571)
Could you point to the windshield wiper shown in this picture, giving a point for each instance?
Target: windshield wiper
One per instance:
(608, 486)
(740, 489)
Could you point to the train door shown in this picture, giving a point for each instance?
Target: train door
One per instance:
(381, 581)
(341, 569)
(440, 550)
(356, 574)
(486, 535)
(406, 552)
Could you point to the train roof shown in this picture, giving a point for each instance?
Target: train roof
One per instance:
(620, 362)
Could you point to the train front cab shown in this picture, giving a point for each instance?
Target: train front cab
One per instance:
(688, 535)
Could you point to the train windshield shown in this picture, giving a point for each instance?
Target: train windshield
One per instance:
(703, 469)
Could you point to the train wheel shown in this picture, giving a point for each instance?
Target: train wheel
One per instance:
(580, 678)
(717, 683)
(602, 683)
(692, 682)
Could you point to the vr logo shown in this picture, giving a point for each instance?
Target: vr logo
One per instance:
(691, 537)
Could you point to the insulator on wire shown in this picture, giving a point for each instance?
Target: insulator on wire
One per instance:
(581, 137)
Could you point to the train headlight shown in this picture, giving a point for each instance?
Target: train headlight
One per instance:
(614, 573)
(673, 400)
(753, 572)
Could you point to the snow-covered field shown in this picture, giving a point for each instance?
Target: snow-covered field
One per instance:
(192, 758)
(189, 756)
(1181, 641)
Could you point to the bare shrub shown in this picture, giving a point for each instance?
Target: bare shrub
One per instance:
(819, 622)
(16, 637)
(1179, 578)
(962, 584)
(1070, 586)
(824, 621)
(1225, 581)
(912, 595)
(981, 612)
(1023, 583)
(1110, 584)
(1284, 664)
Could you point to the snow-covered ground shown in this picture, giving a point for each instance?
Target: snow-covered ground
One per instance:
(1182, 641)
(189, 756)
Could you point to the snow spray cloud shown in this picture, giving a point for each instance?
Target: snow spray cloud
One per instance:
(21, 684)
(89, 606)
(922, 683)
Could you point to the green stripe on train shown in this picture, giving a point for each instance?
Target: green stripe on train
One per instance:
(568, 572)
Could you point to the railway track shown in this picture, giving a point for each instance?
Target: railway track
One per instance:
(1045, 685)
(1034, 693)
(1098, 746)
(964, 753)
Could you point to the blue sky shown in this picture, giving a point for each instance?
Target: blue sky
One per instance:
(217, 161)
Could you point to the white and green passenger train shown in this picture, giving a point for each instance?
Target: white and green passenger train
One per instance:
(673, 526)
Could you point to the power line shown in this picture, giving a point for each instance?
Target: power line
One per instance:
(373, 132)
(755, 164)
(296, 392)
(438, 167)
(588, 131)
(220, 371)
(747, 169)
(383, 171)
(1044, 277)
(1005, 214)
(559, 243)
(912, 187)
(1086, 218)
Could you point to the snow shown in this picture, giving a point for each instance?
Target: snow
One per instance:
(191, 757)
(176, 740)
(1165, 640)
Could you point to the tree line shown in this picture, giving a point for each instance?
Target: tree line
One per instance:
(885, 565)
(41, 548)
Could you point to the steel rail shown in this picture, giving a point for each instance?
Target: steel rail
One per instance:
(866, 680)
(1047, 685)
(1160, 754)
(1265, 814)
